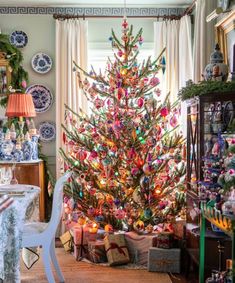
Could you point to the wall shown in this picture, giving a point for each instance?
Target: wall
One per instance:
(41, 38)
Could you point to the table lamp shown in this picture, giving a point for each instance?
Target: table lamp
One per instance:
(20, 105)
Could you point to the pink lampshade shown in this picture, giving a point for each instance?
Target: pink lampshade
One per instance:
(20, 105)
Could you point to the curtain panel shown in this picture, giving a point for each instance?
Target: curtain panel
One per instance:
(204, 37)
(176, 36)
(71, 45)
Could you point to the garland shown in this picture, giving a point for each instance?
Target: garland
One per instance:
(204, 87)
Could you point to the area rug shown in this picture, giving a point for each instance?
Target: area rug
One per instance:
(84, 272)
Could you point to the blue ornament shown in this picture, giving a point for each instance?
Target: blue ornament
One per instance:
(116, 202)
(99, 218)
(163, 64)
(110, 38)
(148, 213)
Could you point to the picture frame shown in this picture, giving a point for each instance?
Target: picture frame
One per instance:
(5, 74)
(225, 36)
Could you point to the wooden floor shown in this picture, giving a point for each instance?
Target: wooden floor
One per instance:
(82, 272)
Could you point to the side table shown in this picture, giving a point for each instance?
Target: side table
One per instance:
(31, 173)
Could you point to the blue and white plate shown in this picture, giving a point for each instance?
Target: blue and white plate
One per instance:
(41, 63)
(47, 131)
(18, 38)
(42, 97)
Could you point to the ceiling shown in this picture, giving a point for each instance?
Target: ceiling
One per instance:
(99, 3)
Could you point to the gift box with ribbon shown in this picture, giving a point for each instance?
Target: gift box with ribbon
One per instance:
(97, 253)
(67, 241)
(163, 240)
(81, 236)
(138, 246)
(164, 260)
(116, 249)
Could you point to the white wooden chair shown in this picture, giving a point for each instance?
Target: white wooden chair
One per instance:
(43, 234)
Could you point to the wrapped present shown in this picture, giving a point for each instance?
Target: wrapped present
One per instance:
(82, 235)
(138, 246)
(178, 227)
(96, 250)
(66, 240)
(164, 260)
(163, 240)
(116, 249)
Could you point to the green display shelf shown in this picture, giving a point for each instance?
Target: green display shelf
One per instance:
(225, 223)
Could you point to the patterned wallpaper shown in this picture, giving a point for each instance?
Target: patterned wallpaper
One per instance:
(92, 11)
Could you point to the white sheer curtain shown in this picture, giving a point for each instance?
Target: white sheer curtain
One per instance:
(71, 45)
(176, 36)
(204, 37)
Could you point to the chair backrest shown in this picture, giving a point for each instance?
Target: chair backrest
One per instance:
(57, 204)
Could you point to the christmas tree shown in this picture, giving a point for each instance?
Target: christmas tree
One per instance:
(127, 156)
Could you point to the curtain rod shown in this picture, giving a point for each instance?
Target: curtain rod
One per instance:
(187, 11)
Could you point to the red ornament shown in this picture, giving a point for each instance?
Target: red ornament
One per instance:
(164, 112)
(124, 23)
(120, 93)
(140, 102)
(81, 155)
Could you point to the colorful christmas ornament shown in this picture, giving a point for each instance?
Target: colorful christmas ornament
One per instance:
(139, 226)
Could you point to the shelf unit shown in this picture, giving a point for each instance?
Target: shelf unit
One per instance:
(208, 117)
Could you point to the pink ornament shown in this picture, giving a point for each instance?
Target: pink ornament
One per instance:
(119, 53)
(92, 191)
(93, 154)
(24, 84)
(119, 214)
(164, 112)
(98, 103)
(173, 121)
(91, 211)
(158, 92)
(154, 81)
(231, 171)
(134, 171)
(140, 102)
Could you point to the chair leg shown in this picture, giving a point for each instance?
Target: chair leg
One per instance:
(47, 263)
(55, 262)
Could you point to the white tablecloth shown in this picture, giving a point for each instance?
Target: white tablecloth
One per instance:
(11, 224)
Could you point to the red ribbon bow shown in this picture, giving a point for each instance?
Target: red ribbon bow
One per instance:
(116, 246)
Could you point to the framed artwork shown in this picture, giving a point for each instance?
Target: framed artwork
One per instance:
(225, 35)
(5, 74)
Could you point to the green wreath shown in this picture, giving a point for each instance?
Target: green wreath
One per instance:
(15, 59)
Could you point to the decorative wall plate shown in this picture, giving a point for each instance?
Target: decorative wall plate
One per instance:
(41, 63)
(42, 97)
(18, 38)
(47, 131)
